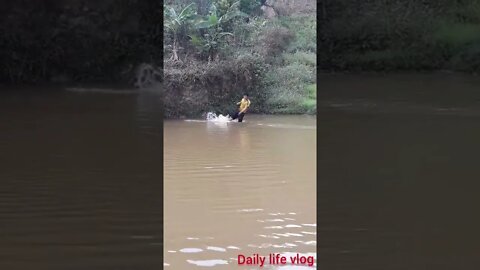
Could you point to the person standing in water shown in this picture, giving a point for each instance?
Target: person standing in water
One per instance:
(244, 104)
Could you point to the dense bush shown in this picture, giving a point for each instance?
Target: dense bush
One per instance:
(292, 76)
(251, 7)
(304, 58)
(275, 40)
(193, 88)
(288, 88)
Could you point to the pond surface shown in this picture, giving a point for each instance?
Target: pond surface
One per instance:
(80, 180)
(399, 171)
(239, 189)
(397, 186)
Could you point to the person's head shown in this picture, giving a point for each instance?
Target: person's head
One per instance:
(245, 96)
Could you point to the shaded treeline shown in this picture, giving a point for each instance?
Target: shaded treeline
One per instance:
(399, 35)
(103, 41)
(81, 41)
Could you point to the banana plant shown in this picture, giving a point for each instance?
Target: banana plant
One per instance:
(211, 43)
(216, 19)
(173, 23)
(214, 38)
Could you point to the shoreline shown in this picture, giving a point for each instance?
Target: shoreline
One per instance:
(396, 72)
(124, 86)
(256, 114)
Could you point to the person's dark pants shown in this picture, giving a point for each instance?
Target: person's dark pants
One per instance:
(238, 116)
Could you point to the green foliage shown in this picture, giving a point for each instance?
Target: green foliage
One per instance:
(250, 7)
(465, 11)
(210, 38)
(399, 35)
(289, 88)
(312, 91)
(174, 20)
(305, 58)
(310, 102)
(247, 34)
(468, 59)
(222, 7)
(275, 40)
(234, 55)
(305, 29)
(219, 17)
(457, 34)
(290, 82)
(211, 43)
(309, 105)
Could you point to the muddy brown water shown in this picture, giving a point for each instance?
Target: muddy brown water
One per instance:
(81, 184)
(79, 181)
(397, 185)
(239, 189)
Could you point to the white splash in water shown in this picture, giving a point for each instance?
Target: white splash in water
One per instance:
(268, 236)
(220, 249)
(208, 263)
(288, 234)
(276, 214)
(292, 226)
(281, 246)
(273, 227)
(250, 210)
(275, 220)
(212, 117)
(191, 250)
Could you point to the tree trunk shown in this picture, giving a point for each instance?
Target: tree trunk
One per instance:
(175, 49)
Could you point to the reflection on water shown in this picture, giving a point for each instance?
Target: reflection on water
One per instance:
(79, 181)
(265, 240)
(399, 185)
(238, 188)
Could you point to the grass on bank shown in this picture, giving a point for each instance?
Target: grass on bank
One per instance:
(292, 83)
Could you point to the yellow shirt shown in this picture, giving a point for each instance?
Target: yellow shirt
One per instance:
(244, 104)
